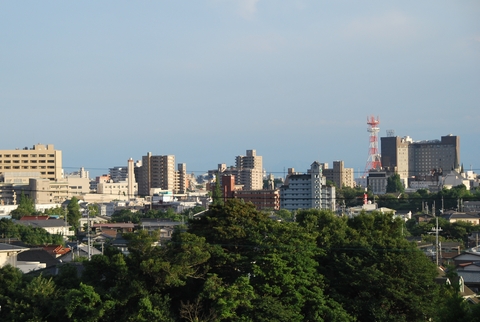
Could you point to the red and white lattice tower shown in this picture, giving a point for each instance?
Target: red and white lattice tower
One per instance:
(374, 159)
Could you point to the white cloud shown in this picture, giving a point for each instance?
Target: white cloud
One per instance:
(391, 27)
(247, 8)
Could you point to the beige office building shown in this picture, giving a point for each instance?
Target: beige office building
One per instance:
(43, 159)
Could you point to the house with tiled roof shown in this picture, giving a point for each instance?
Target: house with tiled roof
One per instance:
(35, 259)
(454, 216)
(465, 290)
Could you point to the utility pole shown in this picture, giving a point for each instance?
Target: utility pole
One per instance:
(88, 235)
(436, 230)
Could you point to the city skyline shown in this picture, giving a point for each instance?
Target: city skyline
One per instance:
(105, 82)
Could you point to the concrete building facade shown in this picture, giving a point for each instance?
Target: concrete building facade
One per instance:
(413, 158)
(41, 158)
(307, 190)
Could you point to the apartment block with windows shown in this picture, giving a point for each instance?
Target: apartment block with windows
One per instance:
(250, 170)
(158, 172)
(41, 158)
(307, 190)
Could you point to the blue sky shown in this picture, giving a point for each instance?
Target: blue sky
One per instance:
(206, 80)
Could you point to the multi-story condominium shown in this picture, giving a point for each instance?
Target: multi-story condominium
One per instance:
(413, 158)
(377, 181)
(158, 172)
(181, 178)
(341, 176)
(265, 199)
(118, 174)
(247, 171)
(41, 158)
(250, 171)
(307, 190)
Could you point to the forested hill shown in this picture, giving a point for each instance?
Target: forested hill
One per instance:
(236, 264)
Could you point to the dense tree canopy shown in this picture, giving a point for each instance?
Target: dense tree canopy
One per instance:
(234, 263)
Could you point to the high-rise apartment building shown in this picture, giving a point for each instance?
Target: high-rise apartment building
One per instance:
(43, 159)
(341, 176)
(413, 158)
(307, 190)
(158, 171)
(249, 171)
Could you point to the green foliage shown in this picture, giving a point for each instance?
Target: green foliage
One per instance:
(217, 194)
(26, 207)
(236, 264)
(136, 217)
(27, 234)
(56, 211)
(284, 214)
(370, 270)
(394, 184)
(73, 213)
(350, 197)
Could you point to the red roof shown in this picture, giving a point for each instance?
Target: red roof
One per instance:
(34, 218)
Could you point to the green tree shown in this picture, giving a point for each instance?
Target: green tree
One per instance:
(278, 260)
(370, 269)
(26, 207)
(394, 184)
(73, 213)
(84, 304)
(217, 195)
(32, 301)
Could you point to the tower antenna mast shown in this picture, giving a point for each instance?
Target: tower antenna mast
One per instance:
(374, 158)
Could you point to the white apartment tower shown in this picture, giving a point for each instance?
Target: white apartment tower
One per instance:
(307, 190)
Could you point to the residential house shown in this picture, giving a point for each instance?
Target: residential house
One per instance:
(9, 253)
